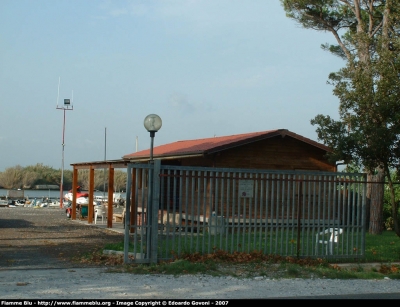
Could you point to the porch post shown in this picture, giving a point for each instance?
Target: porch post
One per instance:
(74, 184)
(91, 190)
(110, 196)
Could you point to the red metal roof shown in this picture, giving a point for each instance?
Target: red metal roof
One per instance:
(215, 144)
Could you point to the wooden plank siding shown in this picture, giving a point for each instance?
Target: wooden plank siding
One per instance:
(278, 153)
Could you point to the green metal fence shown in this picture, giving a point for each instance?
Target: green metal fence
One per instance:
(177, 210)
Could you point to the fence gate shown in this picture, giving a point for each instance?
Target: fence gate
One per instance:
(173, 210)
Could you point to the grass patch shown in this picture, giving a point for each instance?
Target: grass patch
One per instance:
(383, 249)
(378, 248)
(244, 265)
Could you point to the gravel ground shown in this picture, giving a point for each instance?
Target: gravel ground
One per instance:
(95, 283)
(45, 238)
(36, 246)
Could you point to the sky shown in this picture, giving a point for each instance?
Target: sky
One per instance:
(207, 68)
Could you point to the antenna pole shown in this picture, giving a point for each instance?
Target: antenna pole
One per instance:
(66, 107)
(58, 91)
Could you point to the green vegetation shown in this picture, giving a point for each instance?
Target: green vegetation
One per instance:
(382, 260)
(19, 177)
(387, 204)
(253, 264)
(382, 248)
(367, 133)
(378, 248)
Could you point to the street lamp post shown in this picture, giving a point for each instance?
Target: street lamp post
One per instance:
(66, 107)
(152, 123)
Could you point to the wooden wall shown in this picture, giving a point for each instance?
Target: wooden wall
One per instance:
(275, 153)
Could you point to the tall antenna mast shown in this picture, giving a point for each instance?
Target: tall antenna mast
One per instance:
(66, 107)
(58, 92)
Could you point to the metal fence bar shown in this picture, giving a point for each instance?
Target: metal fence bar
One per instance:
(294, 220)
(268, 226)
(248, 221)
(204, 202)
(190, 204)
(127, 210)
(234, 198)
(363, 217)
(198, 184)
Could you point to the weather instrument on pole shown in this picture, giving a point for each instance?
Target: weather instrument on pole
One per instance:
(68, 106)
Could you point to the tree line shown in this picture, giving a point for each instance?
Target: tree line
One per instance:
(367, 35)
(28, 177)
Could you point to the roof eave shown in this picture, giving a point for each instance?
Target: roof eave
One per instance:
(164, 157)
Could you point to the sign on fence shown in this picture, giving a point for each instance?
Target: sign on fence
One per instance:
(246, 188)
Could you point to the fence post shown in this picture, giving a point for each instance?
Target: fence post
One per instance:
(155, 201)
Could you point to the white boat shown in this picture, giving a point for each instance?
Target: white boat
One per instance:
(117, 199)
(80, 200)
(50, 203)
(20, 202)
(100, 198)
(54, 203)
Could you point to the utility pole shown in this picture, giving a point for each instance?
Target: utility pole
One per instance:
(66, 107)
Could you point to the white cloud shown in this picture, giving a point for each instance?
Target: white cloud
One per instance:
(180, 101)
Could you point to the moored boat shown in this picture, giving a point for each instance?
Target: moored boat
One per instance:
(82, 198)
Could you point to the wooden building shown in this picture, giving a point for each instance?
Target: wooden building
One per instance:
(274, 149)
(278, 149)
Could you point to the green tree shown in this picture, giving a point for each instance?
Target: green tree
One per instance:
(29, 178)
(102, 180)
(11, 178)
(364, 32)
(67, 178)
(119, 180)
(369, 127)
(45, 174)
(387, 202)
(83, 179)
(99, 179)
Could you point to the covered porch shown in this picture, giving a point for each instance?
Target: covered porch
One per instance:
(116, 218)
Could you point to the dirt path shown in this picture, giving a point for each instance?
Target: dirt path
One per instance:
(46, 238)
